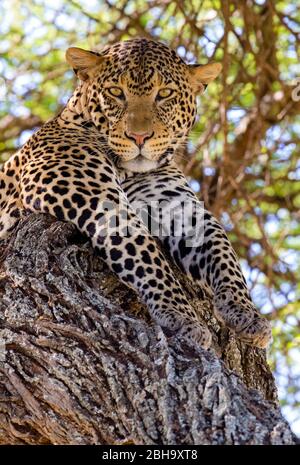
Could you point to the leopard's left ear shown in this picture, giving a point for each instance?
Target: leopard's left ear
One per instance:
(201, 75)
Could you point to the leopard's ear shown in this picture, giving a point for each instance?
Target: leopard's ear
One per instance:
(201, 75)
(83, 61)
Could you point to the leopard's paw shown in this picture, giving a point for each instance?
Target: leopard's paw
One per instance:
(243, 319)
(196, 332)
(258, 333)
(183, 321)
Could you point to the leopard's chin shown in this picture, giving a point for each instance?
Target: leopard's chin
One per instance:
(139, 164)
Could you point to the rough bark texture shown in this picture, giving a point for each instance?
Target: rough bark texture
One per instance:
(81, 362)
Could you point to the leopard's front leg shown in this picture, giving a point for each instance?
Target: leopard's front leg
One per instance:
(99, 208)
(131, 252)
(217, 264)
(200, 247)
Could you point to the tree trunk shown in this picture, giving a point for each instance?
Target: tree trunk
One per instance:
(82, 363)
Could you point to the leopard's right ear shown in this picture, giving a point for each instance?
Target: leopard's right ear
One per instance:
(83, 61)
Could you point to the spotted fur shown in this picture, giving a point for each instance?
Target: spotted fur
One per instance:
(112, 147)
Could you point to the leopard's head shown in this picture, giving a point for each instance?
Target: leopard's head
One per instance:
(141, 96)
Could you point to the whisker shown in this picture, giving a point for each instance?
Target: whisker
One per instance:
(178, 143)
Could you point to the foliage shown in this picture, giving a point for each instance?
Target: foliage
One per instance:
(242, 156)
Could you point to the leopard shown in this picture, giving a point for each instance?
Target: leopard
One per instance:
(107, 164)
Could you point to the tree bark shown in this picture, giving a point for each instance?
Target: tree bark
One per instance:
(82, 363)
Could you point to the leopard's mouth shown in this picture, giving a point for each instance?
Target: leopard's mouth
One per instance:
(142, 164)
(139, 164)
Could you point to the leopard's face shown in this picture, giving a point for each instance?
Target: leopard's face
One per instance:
(146, 120)
(142, 98)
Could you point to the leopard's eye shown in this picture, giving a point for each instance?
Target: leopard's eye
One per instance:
(116, 92)
(165, 93)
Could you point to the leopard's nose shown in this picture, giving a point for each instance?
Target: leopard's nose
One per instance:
(138, 137)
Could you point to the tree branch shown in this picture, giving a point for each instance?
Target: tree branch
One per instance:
(81, 362)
